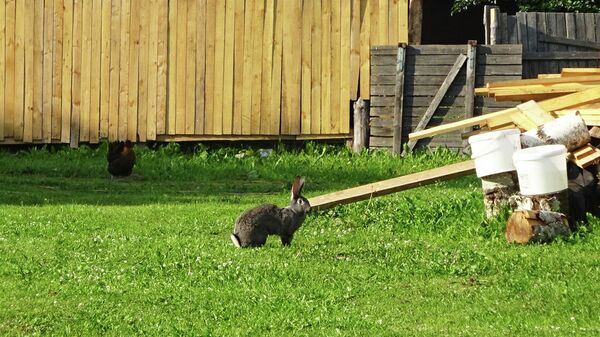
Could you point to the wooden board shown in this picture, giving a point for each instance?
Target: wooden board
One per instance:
(291, 70)
(354, 48)
(95, 74)
(9, 93)
(257, 60)
(105, 41)
(86, 65)
(161, 59)
(134, 53)
(365, 50)
(219, 69)
(29, 62)
(326, 66)
(76, 77)
(38, 69)
(2, 64)
(393, 185)
(307, 22)
(344, 115)
(181, 69)
(316, 66)
(67, 70)
(57, 69)
(173, 7)
(152, 69)
(115, 44)
(124, 69)
(228, 68)
(190, 75)
(238, 73)
(334, 116)
(19, 105)
(276, 82)
(247, 75)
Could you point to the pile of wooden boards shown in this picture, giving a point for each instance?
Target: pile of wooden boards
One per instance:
(546, 98)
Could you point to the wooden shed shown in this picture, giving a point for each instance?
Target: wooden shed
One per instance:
(76, 71)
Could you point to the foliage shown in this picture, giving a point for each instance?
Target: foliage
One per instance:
(535, 5)
(85, 255)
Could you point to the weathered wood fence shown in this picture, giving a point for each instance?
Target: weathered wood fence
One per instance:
(551, 41)
(426, 90)
(81, 70)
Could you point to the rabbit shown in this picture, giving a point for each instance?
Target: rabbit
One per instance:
(254, 225)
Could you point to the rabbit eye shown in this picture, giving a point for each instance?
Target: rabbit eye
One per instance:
(300, 201)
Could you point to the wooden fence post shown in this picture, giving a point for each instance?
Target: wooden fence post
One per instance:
(494, 33)
(361, 123)
(470, 82)
(399, 98)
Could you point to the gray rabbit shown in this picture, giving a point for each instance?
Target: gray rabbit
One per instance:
(254, 225)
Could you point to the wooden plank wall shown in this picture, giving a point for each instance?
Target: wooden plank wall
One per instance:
(541, 56)
(426, 68)
(187, 69)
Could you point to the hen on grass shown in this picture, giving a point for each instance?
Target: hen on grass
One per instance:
(121, 158)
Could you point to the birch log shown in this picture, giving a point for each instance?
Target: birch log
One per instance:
(569, 130)
(525, 226)
(497, 190)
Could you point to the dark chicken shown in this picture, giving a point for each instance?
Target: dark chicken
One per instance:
(121, 158)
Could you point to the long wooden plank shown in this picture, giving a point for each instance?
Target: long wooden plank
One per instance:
(181, 55)
(219, 71)
(399, 100)
(393, 22)
(383, 24)
(403, 21)
(374, 23)
(3, 64)
(354, 48)
(95, 71)
(124, 69)
(152, 70)
(393, 185)
(334, 116)
(573, 42)
(38, 68)
(173, 6)
(307, 12)
(29, 62)
(365, 50)
(76, 77)
(143, 72)
(344, 115)
(326, 56)
(211, 8)
(460, 60)
(190, 80)
(105, 40)
(238, 63)
(315, 83)
(267, 68)
(247, 75)
(228, 67)
(115, 43)
(257, 55)
(201, 63)
(292, 11)
(86, 66)
(276, 82)
(19, 107)
(57, 69)
(161, 59)
(9, 93)
(134, 52)
(67, 70)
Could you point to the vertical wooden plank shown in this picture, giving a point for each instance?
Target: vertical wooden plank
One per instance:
(134, 53)
(228, 68)
(541, 30)
(161, 99)
(355, 48)
(9, 86)
(219, 68)
(393, 22)
(316, 43)
(512, 30)
(326, 56)
(257, 37)
(57, 70)
(115, 54)
(190, 81)
(19, 106)
(86, 66)
(267, 67)
(503, 28)
(124, 69)
(209, 86)
(365, 51)
(561, 31)
(29, 84)
(201, 65)
(172, 62)
(344, 123)
(334, 116)
(142, 115)
(470, 80)
(550, 19)
(576, 25)
(38, 68)
(238, 74)
(532, 41)
(382, 17)
(95, 71)
(247, 76)
(180, 85)
(375, 22)
(292, 58)
(67, 70)
(3, 63)
(152, 70)
(403, 21)
(105, 67)
(307, 12)
(76, 77)
(276, 82)
(399, 99)
(522, 30)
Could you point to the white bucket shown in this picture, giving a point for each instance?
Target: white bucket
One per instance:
(542, 169)
(492, 151)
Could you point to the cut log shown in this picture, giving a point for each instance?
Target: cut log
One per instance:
(361, 124)
(525, 226)
(497, 189)
(569, 130)
(583, 197)
(553, 202)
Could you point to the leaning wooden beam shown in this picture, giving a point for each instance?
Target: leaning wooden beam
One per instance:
(437, 99)
(392, 185)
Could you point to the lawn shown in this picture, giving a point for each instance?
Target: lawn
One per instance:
(85, 255)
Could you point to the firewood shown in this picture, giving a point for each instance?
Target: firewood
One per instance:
(525, 226)
(497, 189)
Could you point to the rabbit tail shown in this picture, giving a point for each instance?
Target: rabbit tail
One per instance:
(236, 240)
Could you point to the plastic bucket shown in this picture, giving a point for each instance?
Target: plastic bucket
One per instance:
(493, 151)
(541, 169)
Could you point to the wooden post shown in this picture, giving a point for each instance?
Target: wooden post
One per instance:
(361, 124)
(415, 21)
(497, 189)
(486, 23)
(470, 83)
(494, 34)
(399, 98)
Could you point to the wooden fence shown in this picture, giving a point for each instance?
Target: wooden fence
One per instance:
(551, 41)
(424, 71)
(82, 70)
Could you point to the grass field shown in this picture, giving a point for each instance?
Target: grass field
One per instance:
(85, 255)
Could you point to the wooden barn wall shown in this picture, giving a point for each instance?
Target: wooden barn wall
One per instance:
(76, 71)
(426, 67)
(552, 41)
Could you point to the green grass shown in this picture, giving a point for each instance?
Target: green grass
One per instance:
(82, 254)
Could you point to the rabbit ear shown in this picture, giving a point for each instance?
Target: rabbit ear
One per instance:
(297, 187)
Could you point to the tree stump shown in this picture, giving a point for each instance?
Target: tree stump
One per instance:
(525, 226)
(497, 189)
(553, 202)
